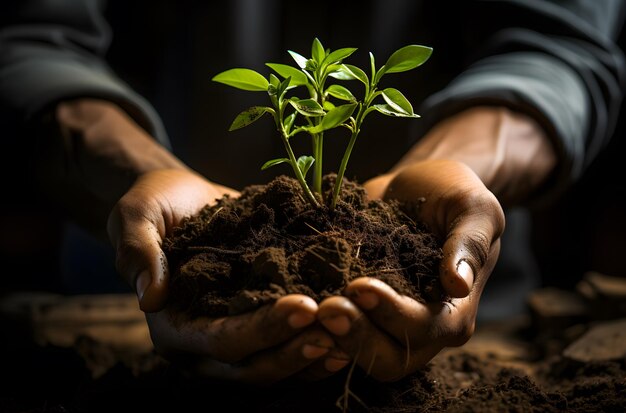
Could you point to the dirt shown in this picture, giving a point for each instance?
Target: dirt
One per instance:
(51, 379)
(248, 251)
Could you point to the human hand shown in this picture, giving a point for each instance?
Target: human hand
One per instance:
(392, 335)
(266, 345)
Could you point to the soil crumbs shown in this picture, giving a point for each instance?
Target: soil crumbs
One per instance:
(245, 252)
(457, 380)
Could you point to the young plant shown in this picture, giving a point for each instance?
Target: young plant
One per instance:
(325, 107)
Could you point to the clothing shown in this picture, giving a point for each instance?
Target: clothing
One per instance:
(555, 60)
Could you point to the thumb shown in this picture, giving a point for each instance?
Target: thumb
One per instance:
(470, 252)
(139, 257)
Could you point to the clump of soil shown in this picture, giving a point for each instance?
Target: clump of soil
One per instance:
(246, 252)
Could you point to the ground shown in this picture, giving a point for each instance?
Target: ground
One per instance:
(92, 354)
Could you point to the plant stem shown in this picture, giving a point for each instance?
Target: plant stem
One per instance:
(294, 164)
(318, 145)
(342, 168)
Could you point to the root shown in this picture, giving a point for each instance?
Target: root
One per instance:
(344, 400)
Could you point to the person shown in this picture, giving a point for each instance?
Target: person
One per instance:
(521, 98)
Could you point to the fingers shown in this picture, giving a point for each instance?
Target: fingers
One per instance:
(233, 338)
(391, 335)
(412, 323)
(376, 352)
(137, 238)
(274, 364)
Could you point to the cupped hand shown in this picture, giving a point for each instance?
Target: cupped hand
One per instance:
(262, 346)
(391, 335)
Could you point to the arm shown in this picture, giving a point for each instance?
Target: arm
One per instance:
(519, 125)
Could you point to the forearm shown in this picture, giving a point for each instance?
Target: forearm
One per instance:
(509, 151)
(91, 154)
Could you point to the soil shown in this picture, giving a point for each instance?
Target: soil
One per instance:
(504, 374)
(246, 252)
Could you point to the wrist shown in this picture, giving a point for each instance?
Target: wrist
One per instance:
(509, 151)
(105, 149)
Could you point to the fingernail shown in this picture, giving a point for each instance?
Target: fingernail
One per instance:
(339, 325)
(142, 284)
(300, 319)
(333, 364)
(367, 300)
(465, 271)
(312, 351)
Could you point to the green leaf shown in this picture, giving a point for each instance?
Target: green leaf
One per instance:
(397, 101)
(288, 122)
(317, 51)
(349, 72)
(311, 65)
(299, 59)
(328, 105)
(379, 74)
(304, 164)
(297, 77)
(338, 55)
(249, 116)
(274, 81)
(340, 92)
(274, 162)
(245, 79)
(284, 85)
(334, 117)
(407, 58)
(373, 65)
(307, 107)
(390, 111)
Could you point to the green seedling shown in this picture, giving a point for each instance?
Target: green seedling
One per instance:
(326, 106)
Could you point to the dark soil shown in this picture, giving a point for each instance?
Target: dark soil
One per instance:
(59, 380)
(245, 252)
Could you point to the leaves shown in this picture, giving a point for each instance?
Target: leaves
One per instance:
(390, 111)
(300, 60)
(321, 108)
(274, 162)
(245, 79)
(288, 122)
(317, 51)
(397, 101)
(249, 116)
(407, 58)
(338, 55)
(307, 107)
(297, 77)
(304, 164)
(334, 117)
(349, 72)
(340, 92)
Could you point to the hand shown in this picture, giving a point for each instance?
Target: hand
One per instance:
(263, 346)
(391, 335)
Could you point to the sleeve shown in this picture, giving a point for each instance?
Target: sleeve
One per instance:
(53, 50)
(555, 60)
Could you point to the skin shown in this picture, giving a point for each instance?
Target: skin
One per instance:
(463, 169)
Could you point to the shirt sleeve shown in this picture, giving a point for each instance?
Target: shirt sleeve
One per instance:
(554, 60)
(53, 50)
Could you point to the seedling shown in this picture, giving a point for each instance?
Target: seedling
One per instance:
(326, 107)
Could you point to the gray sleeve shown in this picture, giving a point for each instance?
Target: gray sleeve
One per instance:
(557, 62)
(53, 50)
